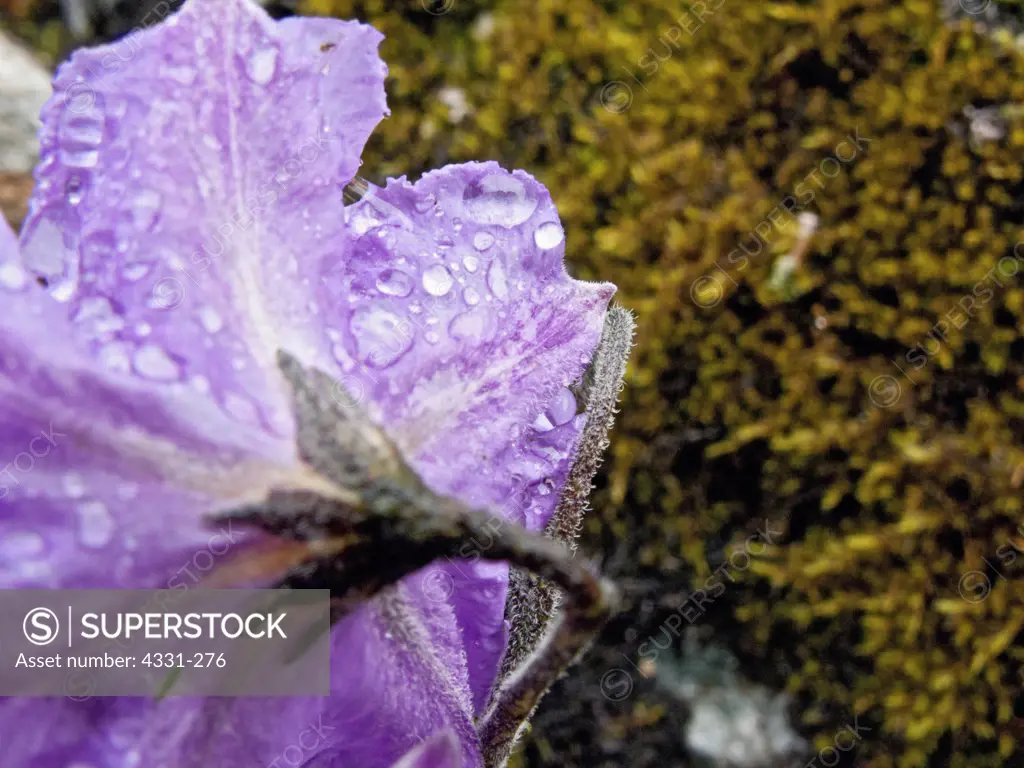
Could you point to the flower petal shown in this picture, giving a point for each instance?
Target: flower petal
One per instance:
(82, 448)
(190, 188)
(461, 331)
(440, 751)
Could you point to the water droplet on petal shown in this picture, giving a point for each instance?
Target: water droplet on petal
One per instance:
(431, 337)
(425, 203)
(394, 282)
(471, 326)
(471, 296)
(471, 263)
(262, 65)
(483, 240)
(548, 235)
(73, 191)
(81, 130)
(499, 198)
(184, 75)
(497, 281)
(437, 280)
(135, 272)
(380, 336)
(145, 207)
(12, 276)
(96, 526)
(74, 485)
(563, 408)
(210, 319)
(45, 252)
(153, 363)
(543, 424)
(79, 158)
(98, 315)
(115, 356)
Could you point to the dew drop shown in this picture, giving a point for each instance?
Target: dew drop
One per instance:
(96, 526)
(431, 337)
(471, 326)
(548, 235)
(210, 319)
(79, 158)
(499, 198)
(153, 363)
(12, 276)
(184, 75)
(115, 356)
(394, 282)
(437, 280)
(45, 252)
(545, 487)
(135, 272)
(99, 316)
(425, 203)
(483, 240)
(145, 207)
(81, 130)
(543, 424)
(73, 191)
(471, 297)
(497, 281)
(380, 336)
(74, 485)
(262, 65)
(563, 408)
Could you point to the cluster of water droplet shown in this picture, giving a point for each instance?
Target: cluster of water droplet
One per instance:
(456, 258)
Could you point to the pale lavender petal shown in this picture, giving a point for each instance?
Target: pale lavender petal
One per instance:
(461, 330)
(189, 194)
(102, 480)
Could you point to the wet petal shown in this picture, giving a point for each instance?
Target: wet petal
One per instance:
(189, 192)
(461, 331)
(102, 480)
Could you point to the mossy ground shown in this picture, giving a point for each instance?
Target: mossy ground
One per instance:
(861, 390)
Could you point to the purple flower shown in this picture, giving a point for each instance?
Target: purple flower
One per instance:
(186, 228)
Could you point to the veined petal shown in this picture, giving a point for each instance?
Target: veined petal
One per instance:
(462, 332)
(189, 193)
(82, 448)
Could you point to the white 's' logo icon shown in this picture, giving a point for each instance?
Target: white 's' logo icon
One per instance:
(41, 626)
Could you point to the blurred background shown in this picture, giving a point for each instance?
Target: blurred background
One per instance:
(813, 495)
